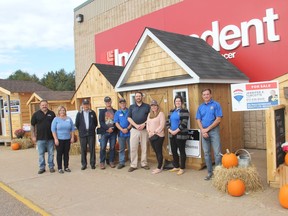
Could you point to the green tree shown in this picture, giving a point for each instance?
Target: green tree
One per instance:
(21, 75)
(59, 80)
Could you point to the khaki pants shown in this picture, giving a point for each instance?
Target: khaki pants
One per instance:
(137, 137)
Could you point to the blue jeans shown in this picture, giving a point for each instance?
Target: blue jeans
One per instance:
(103, 144)
(44, 145)
(122, 145)
(214, 141)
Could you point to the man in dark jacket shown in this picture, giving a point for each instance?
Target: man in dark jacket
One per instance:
(108, 132)
(86, 123)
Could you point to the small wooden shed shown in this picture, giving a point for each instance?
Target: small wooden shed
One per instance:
(99, 82)
(54, 98)
(165, 64)
(14, 95)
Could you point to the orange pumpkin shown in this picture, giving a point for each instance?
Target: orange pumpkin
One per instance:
(15, 146)
(75, 138)
(229, 160)
(283, 195)
(286, 159)
(236, 187)
(117, 146)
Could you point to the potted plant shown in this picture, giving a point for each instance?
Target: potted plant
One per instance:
(19, 133)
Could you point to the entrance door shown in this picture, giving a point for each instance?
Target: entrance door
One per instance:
(2, 122)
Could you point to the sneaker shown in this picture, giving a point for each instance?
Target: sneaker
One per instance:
(41, 171)
(180, 172)
(93, 167)
(61, 171)
(131, 169)
(83, 167)
(67, 170)
(208, 177)
(146, 167)
(174, 169)
(120, 166)
(52, 170)
(112, 165)
(156, 171)
(102, 166)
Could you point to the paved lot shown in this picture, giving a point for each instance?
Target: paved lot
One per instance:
(117, 192)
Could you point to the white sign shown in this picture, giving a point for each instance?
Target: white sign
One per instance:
(254, 96)
(193, 144)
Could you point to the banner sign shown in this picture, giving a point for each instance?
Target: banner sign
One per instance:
(254, 96)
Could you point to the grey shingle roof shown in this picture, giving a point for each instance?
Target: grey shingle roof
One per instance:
(205, 61)
(55, 95)
(111, 72)
(21, 86)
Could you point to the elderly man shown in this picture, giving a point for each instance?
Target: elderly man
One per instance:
(86, 123)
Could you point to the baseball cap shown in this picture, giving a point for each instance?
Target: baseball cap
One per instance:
(122, 100)
(107, 99)
(85, 101)
(154, 102)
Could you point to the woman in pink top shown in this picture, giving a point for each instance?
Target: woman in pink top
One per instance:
(155, 125)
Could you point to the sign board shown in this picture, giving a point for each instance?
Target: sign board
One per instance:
(279, 135)
(254, 39)
(254, 96)
(193, 144)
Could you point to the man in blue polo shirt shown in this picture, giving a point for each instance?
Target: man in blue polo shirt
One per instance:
(208, 116)
(121, 122)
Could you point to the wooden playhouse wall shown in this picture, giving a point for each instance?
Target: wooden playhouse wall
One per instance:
(231, 127)
(95, 87)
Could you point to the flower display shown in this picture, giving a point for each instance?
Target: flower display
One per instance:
(19, 133)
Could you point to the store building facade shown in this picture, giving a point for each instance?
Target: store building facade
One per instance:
(251, 38)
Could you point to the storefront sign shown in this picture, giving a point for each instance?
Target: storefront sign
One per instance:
(254, 96)
(193, 144)
(243, 34)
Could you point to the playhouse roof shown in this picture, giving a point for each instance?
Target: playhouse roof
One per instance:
(21, 86)
(202, 63)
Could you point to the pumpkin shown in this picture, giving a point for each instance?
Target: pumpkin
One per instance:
(15, 146)
(75, 138)
(117, 146)
(283, 196)
(229, 160)
(286, 159)
(236, 187)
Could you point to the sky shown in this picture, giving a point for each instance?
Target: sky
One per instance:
(37, 36)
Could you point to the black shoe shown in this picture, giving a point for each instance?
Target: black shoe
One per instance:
(41, 171)
(131, 169)
(208, 177)
(146, 167)
(93, 167)
(83, 167)
(67, 170)
(60, 171)
(120, 166)
(52, 170)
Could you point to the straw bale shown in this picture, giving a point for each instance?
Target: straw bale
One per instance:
(24, 143)
(75, 149)
(248, 175)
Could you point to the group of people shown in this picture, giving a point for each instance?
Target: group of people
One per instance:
(131, 126)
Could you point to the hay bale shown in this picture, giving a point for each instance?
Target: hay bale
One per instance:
(75, 148)
(25, 143)
(248, 174)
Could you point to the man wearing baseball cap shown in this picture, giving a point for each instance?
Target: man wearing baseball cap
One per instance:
(121, 122)
(108, 132)
(86, 123)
